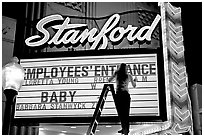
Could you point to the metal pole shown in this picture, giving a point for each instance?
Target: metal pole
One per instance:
(195, 109)
(8, 114)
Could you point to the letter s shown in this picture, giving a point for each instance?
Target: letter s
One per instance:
(40, 27)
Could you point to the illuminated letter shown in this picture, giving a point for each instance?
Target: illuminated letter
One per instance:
(139, 35)
(152, 27)
(87, 34)
(121, 31)
(130, 36)
(40, 27)
(106, 28)
(63, 27)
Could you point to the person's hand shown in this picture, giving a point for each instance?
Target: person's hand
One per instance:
(134, 84)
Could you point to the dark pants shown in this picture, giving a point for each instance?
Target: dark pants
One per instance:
(122, 102)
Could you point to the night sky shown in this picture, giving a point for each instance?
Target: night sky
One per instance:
(192, 31)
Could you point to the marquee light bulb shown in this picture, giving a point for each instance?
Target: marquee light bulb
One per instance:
(12, 75)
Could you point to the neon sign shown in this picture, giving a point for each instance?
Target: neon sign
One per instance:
(78, 33)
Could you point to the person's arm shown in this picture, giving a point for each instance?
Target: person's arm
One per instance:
(132, 81)
(112, 77)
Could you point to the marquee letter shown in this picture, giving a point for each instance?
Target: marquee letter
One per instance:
(44, 97)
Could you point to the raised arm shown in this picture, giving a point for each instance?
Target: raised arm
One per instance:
(132, 81)
(112, 77)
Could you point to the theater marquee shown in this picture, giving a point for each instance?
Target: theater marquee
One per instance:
(71, 86)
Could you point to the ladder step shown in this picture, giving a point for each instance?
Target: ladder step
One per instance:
(96, 121)
(99, 108)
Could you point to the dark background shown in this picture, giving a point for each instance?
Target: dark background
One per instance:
(192, 31)
(191, 13)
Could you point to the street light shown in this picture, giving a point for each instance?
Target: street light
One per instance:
(12, 80)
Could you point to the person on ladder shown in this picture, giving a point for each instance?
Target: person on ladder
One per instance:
(122, 97)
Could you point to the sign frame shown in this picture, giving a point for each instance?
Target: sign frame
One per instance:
(133, 119)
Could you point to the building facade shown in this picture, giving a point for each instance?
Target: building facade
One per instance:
(68, 51)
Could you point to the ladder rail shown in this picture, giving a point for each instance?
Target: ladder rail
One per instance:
(99, 108)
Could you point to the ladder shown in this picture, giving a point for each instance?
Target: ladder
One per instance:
(99, 107)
